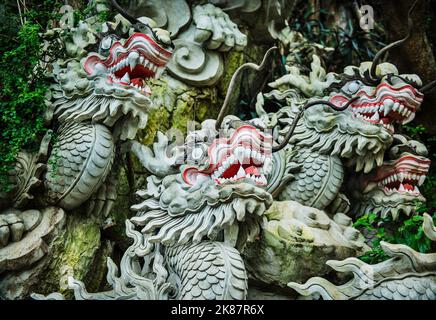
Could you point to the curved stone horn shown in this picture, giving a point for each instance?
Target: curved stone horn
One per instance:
(124, 13)
(138, 24)
(378, 56)
(232, 84)
(300, 113)
(428, 87)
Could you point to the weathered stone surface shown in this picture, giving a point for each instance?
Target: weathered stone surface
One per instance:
(407, 275)
(34, 245)
(78, 250)
(296, 242)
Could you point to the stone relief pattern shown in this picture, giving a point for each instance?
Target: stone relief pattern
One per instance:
(408, 275)
(83, 157)
(195, 222)
(95, 105)
(204, 271)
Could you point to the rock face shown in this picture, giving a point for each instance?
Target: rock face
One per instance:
(73, 246)
(297, 241)
(46, 225)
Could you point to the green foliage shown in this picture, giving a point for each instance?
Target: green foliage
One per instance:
(369, 223)
(407, 230)
(330, 28)
(23, 84)
(414, 131)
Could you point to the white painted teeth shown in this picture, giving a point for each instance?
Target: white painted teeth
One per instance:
(400, 176)
(396, 106)
(242, 155)
(125, 78)
(267, 166)
(239, 152)
(402, 188)
(241, 173)
(421, 180)
(375, 117)
(133, 59)
(263, 179)
(159, 72)
(387, 104)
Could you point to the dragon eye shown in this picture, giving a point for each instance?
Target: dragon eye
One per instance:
(353, 87)
(106, 43)
(197, 153)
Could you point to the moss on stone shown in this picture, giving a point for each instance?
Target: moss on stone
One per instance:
(232, 61)
(78, 252)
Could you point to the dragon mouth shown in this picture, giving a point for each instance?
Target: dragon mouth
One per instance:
(403, 175)
(131, 64)
(244, 163)
(245, 157)
(389, 105)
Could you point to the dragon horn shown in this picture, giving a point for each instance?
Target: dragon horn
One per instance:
(300, 113)
(232, 84)
(124, 13)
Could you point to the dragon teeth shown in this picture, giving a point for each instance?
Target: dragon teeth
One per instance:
(133, 59)
(125, 78)
(241, 173)
(375, 117)
(388, 105)
(421, 180)
(239, 152)
(159, 72)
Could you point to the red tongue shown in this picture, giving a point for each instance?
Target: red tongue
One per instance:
(252, 170)
(137, 81)
(408, 186)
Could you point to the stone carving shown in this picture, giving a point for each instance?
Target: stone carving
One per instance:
(244, 6)
(392, 188)
(39, 227)
(199, 36)
(323, 139)
(206, 220)
(407, 275)
(198, 216)
(296, 241)
(99, 99)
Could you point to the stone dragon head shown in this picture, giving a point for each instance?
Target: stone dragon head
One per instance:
(378, 96)
(362, 133)
(213, 182)
(393, 188)
(104, 79)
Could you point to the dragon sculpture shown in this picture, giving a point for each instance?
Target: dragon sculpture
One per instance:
(194, 218)
(232, 186)
(324, 140)
(201, 209)
(99, 99)
(393, 188)
(321, 144)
